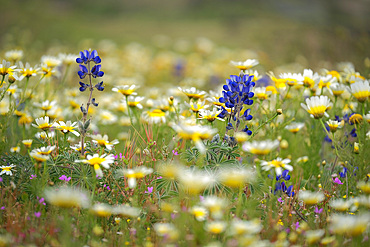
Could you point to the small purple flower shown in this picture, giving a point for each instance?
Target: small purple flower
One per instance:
(37, 214)
(337, 181)
(317, 210)
(159, 177)
(33, 176)
(1, 179)
(201, 198)
(150, 190)
(280, 200)
(106, 186)
(2, 208)
(175, 152)
(98, 177)
(65, 178)
(296, 225)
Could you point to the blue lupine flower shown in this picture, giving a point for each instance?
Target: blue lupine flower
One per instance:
(94, 103)
(95, 71)
(281, 186)
(285, 176)
(99, 86)
(353, 132)
(237, 93)
(83, 71)
(86, 57)
(290, 191)
(83, 86)
(344, 173)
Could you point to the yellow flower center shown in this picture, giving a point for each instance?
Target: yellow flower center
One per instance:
(276, 163)
(260, 151)
(308, 82)
(95, 161)
(362, 95)
(156, 113)
(7, 168)
(317, 111)
(44, 126)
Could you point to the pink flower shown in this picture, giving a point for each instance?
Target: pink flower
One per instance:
(296, 225)
(337, 181)
(317, 210)
(65, 178)
(33, 176)
(280, 200)
(150, 190)
(175, 152)
(38, 214)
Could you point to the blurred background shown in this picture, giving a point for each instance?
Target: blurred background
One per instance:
(286, 31)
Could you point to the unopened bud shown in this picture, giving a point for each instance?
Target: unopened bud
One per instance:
(11, 79)
(87, 124)
(279, 111)
(323, 163)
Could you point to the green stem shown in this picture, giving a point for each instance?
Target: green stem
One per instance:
(4, 92)
(268, 121)
(128, 109)
(287, 93)
(240, 200)
(25, 89)
(2, 81)
(332, 138)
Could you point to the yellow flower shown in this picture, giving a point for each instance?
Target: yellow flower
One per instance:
(361, 90)
(103, 141)
(310, 198)
(262, 93)
(271, 89)
(101, 210)
(200, 213)
(247, 64)
(126, 90)
(260, 147)
(210, 116)
(27, 71)
(43, 123)
(317, 106)
(349, 225)
(215, 227)
(67, 197)
(155, 116)
(314, 236)
(6, 69)
(294, 127)
(236, 177)
(356, 119)
(333, 125)
(365, 187)
(27, 143)
(104, 160)
(193, 93)
(136, 173)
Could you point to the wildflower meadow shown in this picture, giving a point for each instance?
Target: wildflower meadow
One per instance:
(140, 145)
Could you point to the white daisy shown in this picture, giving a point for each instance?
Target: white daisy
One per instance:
(317, 106)
(279, 164)
(7, 170)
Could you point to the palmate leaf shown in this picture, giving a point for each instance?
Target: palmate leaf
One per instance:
(191, 154)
